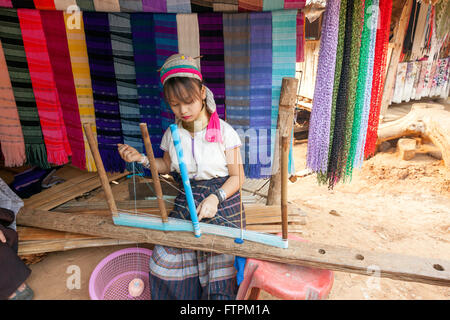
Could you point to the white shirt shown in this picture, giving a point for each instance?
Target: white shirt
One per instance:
(204, 160)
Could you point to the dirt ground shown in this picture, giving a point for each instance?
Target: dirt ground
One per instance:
(390, 205)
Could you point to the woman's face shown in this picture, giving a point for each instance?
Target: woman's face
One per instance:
(189, 109)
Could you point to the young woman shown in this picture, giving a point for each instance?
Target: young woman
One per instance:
(211, 150)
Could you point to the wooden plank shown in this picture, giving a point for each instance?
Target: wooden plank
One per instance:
(337, 258)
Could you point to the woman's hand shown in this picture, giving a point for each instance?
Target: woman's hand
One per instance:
(129, 154)
(2, 237)
(208, 207)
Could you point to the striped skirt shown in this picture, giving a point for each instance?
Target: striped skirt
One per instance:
(184, 274)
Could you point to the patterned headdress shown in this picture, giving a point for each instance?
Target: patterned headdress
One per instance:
(180, 65)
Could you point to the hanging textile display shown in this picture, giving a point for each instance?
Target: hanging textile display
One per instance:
(250, 5)
(82, 79)
(188, 35)
(361, 87)
(11, 137)
(147, 76)
(44, 87)
(301, 36)
(104, 87)
(410, 77)
(125, 73)
(179, 6)
(260, 95)
(212, 62)
(419, 36)
(320, 119)
(410, 31)
(400, 79)
(55, 34)
(166, 41)
(381, 48)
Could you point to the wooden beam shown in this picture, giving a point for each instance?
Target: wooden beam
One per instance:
(337, 258)
(285, 123)
(399, 36)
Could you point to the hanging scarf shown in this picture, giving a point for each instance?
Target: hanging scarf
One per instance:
(301, 36)
(284, 50)
(226, 6)
(294, 4)
(400, 78)
(130, 5)
(359, 157)
(64, 4)
(212, 62)
(166, 45)
(86, 5)
(147, 76)
(11, 37)
(55, 33)
(11, 137)
(125, 73)
(379, 68)
(107, 112)
(410, 31)
(179, 6)
(260, 94)
(82, 80)
(236, 36)
(320, 119)
(154, 5)
(44, 4)
(272, 5)
(107, 5)
(202, 5)
(250, 5)
(188, 34)
(44, 87)
(363, 71)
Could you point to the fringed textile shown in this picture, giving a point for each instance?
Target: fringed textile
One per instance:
(55, 33)
(107, 112)
(11, 137)
(44, 87)
(212, 62)
(82, 79)
(320, 120)
(379, 68)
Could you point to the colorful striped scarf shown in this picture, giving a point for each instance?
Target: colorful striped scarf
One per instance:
(125, 73)
(107, 112)
(284, 50)
(130, 5)
(236, 36)
(320, 119)
(44, 87)
(381, 47)
(260, 94)
(11, 137)
(11, 37)
(188, 35)
(166, 45)
(82, 80)
(55, 33)
(179, 6)
(212, 62)
(147, 76)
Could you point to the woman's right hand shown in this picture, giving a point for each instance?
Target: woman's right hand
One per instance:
(129, 154)
(2, 237)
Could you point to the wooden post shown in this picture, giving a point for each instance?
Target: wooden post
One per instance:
(100, 168)
(284, 185)
(154, 171)
(399, 36)
(285, 124)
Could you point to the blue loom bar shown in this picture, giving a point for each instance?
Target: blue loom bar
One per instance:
(185, 179)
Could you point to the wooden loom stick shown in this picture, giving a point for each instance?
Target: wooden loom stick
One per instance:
(100, 168)
(154, 171)
(284, 185)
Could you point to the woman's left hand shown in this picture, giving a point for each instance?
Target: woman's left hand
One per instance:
(208, 207)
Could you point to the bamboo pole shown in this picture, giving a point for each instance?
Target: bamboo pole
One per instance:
(154, 171)
(100, 169)
(284, 186)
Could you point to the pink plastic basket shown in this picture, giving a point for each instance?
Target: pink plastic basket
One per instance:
(111, 277)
